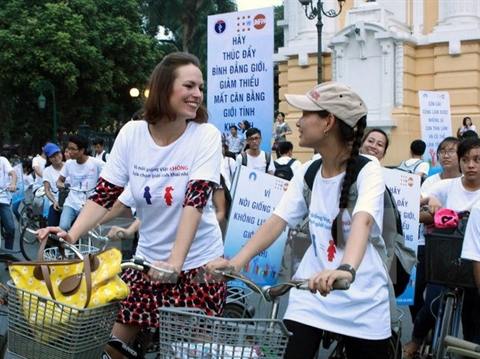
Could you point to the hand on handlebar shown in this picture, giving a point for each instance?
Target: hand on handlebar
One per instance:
(42, 233)
(155, 273)
(221, 263)
(322, 282)
(117, 233)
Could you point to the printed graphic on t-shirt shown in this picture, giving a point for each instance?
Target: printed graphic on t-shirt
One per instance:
(331, 250)
(157, 172)
(147, 195)
(168, 195)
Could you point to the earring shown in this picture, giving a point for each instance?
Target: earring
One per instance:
(325, 132)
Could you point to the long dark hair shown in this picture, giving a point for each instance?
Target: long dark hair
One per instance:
(354, 137)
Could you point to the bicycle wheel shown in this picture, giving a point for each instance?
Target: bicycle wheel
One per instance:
(28, 241)
(25, 220)
(235, 310)
(439, 350)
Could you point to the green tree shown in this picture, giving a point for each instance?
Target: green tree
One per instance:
(92, 51)
(185, 21)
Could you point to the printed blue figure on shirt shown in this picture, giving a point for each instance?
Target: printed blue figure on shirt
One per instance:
(147, 195)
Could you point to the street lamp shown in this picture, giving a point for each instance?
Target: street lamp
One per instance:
(316, 12)
(43, 86)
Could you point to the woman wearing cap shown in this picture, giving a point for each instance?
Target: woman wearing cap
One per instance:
(333, 122)
(50, 175)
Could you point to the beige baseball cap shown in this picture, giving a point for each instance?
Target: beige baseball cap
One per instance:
(334, 97)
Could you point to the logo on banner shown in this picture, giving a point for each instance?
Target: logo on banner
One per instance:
(252, 176)
(220, 26)
(259, 21)
(244, 23)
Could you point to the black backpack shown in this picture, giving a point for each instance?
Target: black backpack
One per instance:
(284, 171)
(268, 158)
(399, 259)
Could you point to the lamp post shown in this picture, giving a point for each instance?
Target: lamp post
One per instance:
(42, 102)
(316, 12)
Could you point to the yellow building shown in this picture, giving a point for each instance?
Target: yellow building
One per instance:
(387, 50)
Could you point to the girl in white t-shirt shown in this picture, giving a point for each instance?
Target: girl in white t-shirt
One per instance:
(462, 194)
(171, 161)
(333, 122)
(375, 143)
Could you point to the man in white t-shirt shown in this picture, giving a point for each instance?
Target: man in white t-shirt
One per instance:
(254, 157)
(281, 164)
(100, 153)
(83, 172)
(8, 185)
(415, 164)
(38, 165)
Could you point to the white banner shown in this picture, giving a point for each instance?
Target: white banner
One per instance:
(255, 198)
(405, 188)
(240, 70)
(436, 122)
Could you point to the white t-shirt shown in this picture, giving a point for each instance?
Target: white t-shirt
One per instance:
(83, 179)
(471, 240)
(426, 186)
(5, 180)
(258, 163)
(100, 156)
(362, 311)
(39, 162)
(452, 194)
(228, 170)
(296, 165)
(158, 178)
(422, 167)
(50, 175)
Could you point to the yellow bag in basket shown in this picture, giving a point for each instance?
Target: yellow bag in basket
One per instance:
(78, 284)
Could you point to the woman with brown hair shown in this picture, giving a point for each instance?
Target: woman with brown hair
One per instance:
(171, 162)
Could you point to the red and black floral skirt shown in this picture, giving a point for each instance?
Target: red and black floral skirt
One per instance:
(195, 288)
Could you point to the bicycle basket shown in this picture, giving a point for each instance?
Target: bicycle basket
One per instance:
(187, 334)
(56, 253)
(58, 331)
(444, 264)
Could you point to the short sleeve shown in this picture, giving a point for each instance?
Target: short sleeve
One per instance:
(371, 189)
(116, 169)
(8, 167)
(440, 190)
(64, 170)
(126, 197)
(208, 159)
(292, 207)
(471, 241)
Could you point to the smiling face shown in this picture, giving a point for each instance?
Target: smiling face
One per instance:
(187, 92)
(56, 158)
(374, 144)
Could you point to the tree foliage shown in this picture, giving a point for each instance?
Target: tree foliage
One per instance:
(91, 51)
(185, 21)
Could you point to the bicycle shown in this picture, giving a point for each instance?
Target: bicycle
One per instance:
(189, 333)
(81, 334)
(445, 266)
(462, 347)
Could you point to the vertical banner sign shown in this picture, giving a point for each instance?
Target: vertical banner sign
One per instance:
(255, 198)
(405, 188)
(436, 122)
(240, 70)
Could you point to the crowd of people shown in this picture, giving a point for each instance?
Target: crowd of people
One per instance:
(175, 169)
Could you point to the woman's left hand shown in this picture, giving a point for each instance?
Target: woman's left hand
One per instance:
(323, 281)
(163, 277)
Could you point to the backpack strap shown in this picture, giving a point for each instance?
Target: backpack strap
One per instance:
(290, 163)
(104, 156)
(268, 159)
(244, 158)
(276, 164)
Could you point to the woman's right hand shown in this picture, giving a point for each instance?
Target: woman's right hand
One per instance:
(221, 263)
(117, 232)
(42, 233)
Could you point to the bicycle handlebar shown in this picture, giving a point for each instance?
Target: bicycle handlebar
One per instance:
(270, 293)
(463, 344)
(61, 242)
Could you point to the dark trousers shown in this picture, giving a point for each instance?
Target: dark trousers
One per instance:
(420, 284)
(53, 216)
(8, 224)
(305, 341)
(471, 315)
